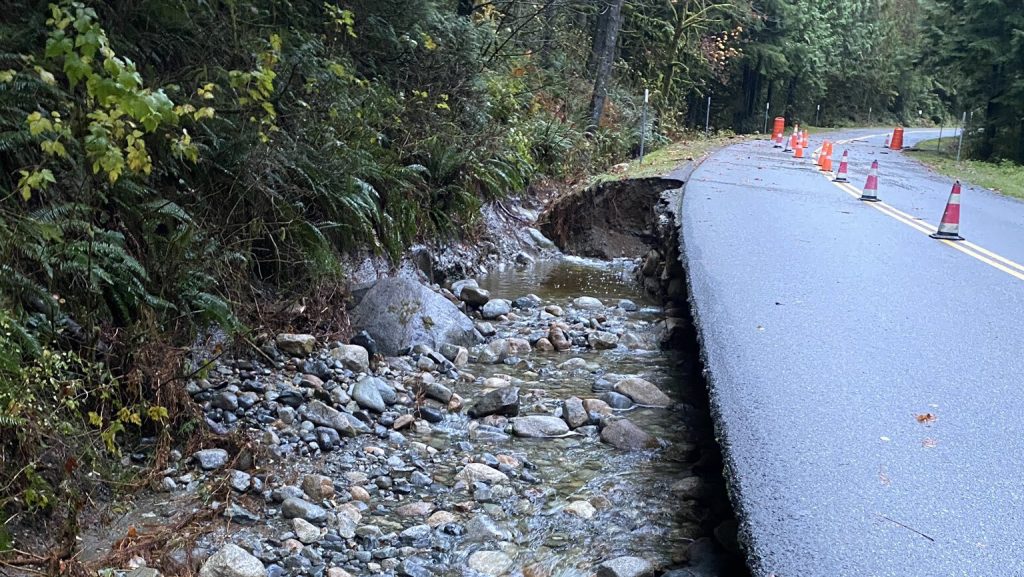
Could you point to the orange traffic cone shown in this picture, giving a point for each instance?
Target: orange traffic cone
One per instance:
(807, 139)
(826, 165)
(798, 150)
(870, 193)
(843, 168)
(897, 138)
(791, 143)
(949, 227)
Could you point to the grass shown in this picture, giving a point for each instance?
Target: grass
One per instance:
(1005, 177)
(667, 158)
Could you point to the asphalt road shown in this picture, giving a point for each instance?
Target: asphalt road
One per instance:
(830, 327)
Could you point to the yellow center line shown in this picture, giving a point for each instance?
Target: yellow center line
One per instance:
(982, 254)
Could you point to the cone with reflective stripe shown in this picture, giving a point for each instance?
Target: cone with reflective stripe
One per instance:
(826, 162)
(949, 228)
(821, 154)
(807, 139)
(870, 193)
(843, 168)
(791, 144)
(886, 141)
(798, 150)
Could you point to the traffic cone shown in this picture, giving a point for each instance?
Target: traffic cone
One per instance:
(826, 164)
(807, 139)
(843, 168)
(799, 150)
(949, 228)
(791, 143)
(870, 193)
(820, 161)
(886, 141)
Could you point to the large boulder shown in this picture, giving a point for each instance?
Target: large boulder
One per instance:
(400, 313)
(352, 357)
(539, 426)
(503, 401)
(232, 561)
(322, 415)
(625, 567)
(623, 434)
(642, 392)
(295, 344)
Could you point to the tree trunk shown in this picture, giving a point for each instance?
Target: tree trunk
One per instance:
(668, 74)
(548, 38)
(600, 35)
(613, 20)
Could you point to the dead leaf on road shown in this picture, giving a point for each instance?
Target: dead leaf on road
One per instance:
(925, 418)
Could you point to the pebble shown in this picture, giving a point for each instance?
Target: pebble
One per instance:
(493, 563)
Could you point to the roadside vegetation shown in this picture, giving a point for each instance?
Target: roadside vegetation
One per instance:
(168, 167)
(1006, 177)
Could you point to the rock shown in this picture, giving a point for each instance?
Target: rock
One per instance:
(503, 401)
(459, 356)
(574, 413)
(616, 401)
(501, 349)
(365, 393)
(481, 472)
(338, 572)
(493, 563)
(539, 238)
(318, 487)
(642, 392)
(602, 340)
(240, 481)
(495, 308)
(311, 381)
(474, 296)
(588, 303)
(359, 494)
(232, 561)
(425, 364)
(559, 340)
(225, 401)
(581, 509)
(623, 434)
(353, 357)
(688, 488)
(294, 344)
(539, 426)
(554, 310)
(403, 422)
(625, 567)
(363, 339)
(486, 329)
(441, 518)
(628, 305)
(544, 345)
(483, 529)
(458, 285)
(320, 414)
(211, 459)
(524, 259)
(530, 301)
(294, 507)
(348, 521)
(598, 407)
(400, 313)
(305, 531)
(433, 390)
(416, 509)
(143, 571)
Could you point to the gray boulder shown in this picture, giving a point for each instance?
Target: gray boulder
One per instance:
(320, 414)
(352, 357)
(625, 567)
(296, 508)
(503, 401)
(232, 561)
(474, 296)
(574, 413)
(539, 426)
(495, 308)
(293, 344)
(642, 392)
(400, 313)
(602, 340)
(210, 459)
(623, 434)
(365, 393)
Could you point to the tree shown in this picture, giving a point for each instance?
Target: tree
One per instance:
(605, 42)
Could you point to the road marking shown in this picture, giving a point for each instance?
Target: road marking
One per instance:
(980, 253)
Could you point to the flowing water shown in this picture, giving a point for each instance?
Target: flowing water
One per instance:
(638, 512)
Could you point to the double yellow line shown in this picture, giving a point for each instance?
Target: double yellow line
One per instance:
(982, 254)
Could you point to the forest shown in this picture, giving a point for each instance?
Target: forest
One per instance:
(169, 166)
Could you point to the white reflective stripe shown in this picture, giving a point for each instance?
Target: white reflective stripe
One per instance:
(951, 228)
(954, 199)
